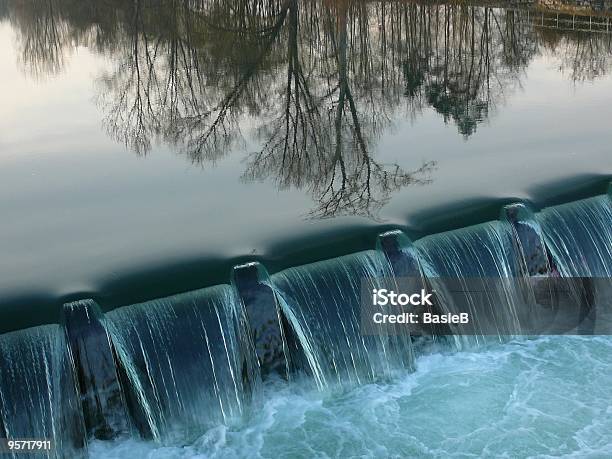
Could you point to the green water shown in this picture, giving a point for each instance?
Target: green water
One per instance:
(147, 147)
(548, 397)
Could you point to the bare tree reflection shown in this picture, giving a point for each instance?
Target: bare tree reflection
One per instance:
(318, 140)
(160, 90)
(314, 83)
(210, 133)
(44, 37)
(4, 10)
(583, 56)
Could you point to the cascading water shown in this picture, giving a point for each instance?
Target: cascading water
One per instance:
(38, 392)
(322, 303)
(187, 360)
(476, 251)
(182, 364)
(460, 260)
(579, 235)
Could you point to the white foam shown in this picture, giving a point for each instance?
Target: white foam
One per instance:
(536, 398)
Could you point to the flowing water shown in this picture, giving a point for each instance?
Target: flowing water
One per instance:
(192, 384)
(548, 397)
(579, 236)
(147, 147)
(187, 360)
(38, 391)
(471, 256)
(322, 300)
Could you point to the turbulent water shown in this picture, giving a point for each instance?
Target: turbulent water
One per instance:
(187, 366)
(309, 127)
(533, 398)
(191, 378)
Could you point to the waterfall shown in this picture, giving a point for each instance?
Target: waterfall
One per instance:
(186, 360)
(171, 368)
(38, 392)
(579, 235)
(322, 303)
(479, 262)
(476, 251)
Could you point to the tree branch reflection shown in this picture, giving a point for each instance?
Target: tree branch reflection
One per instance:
(316, 82)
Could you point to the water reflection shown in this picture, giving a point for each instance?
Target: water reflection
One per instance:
(319, 82)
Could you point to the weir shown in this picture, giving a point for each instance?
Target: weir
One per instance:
(188, 359)
(527, 240)
(579, 237)
(276, 345)
(465, 260)
(406, 264)
(170, 368)
(322, 300)
(93, 358)
(38, 390)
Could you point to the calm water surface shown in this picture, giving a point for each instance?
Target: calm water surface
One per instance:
(145, 147)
